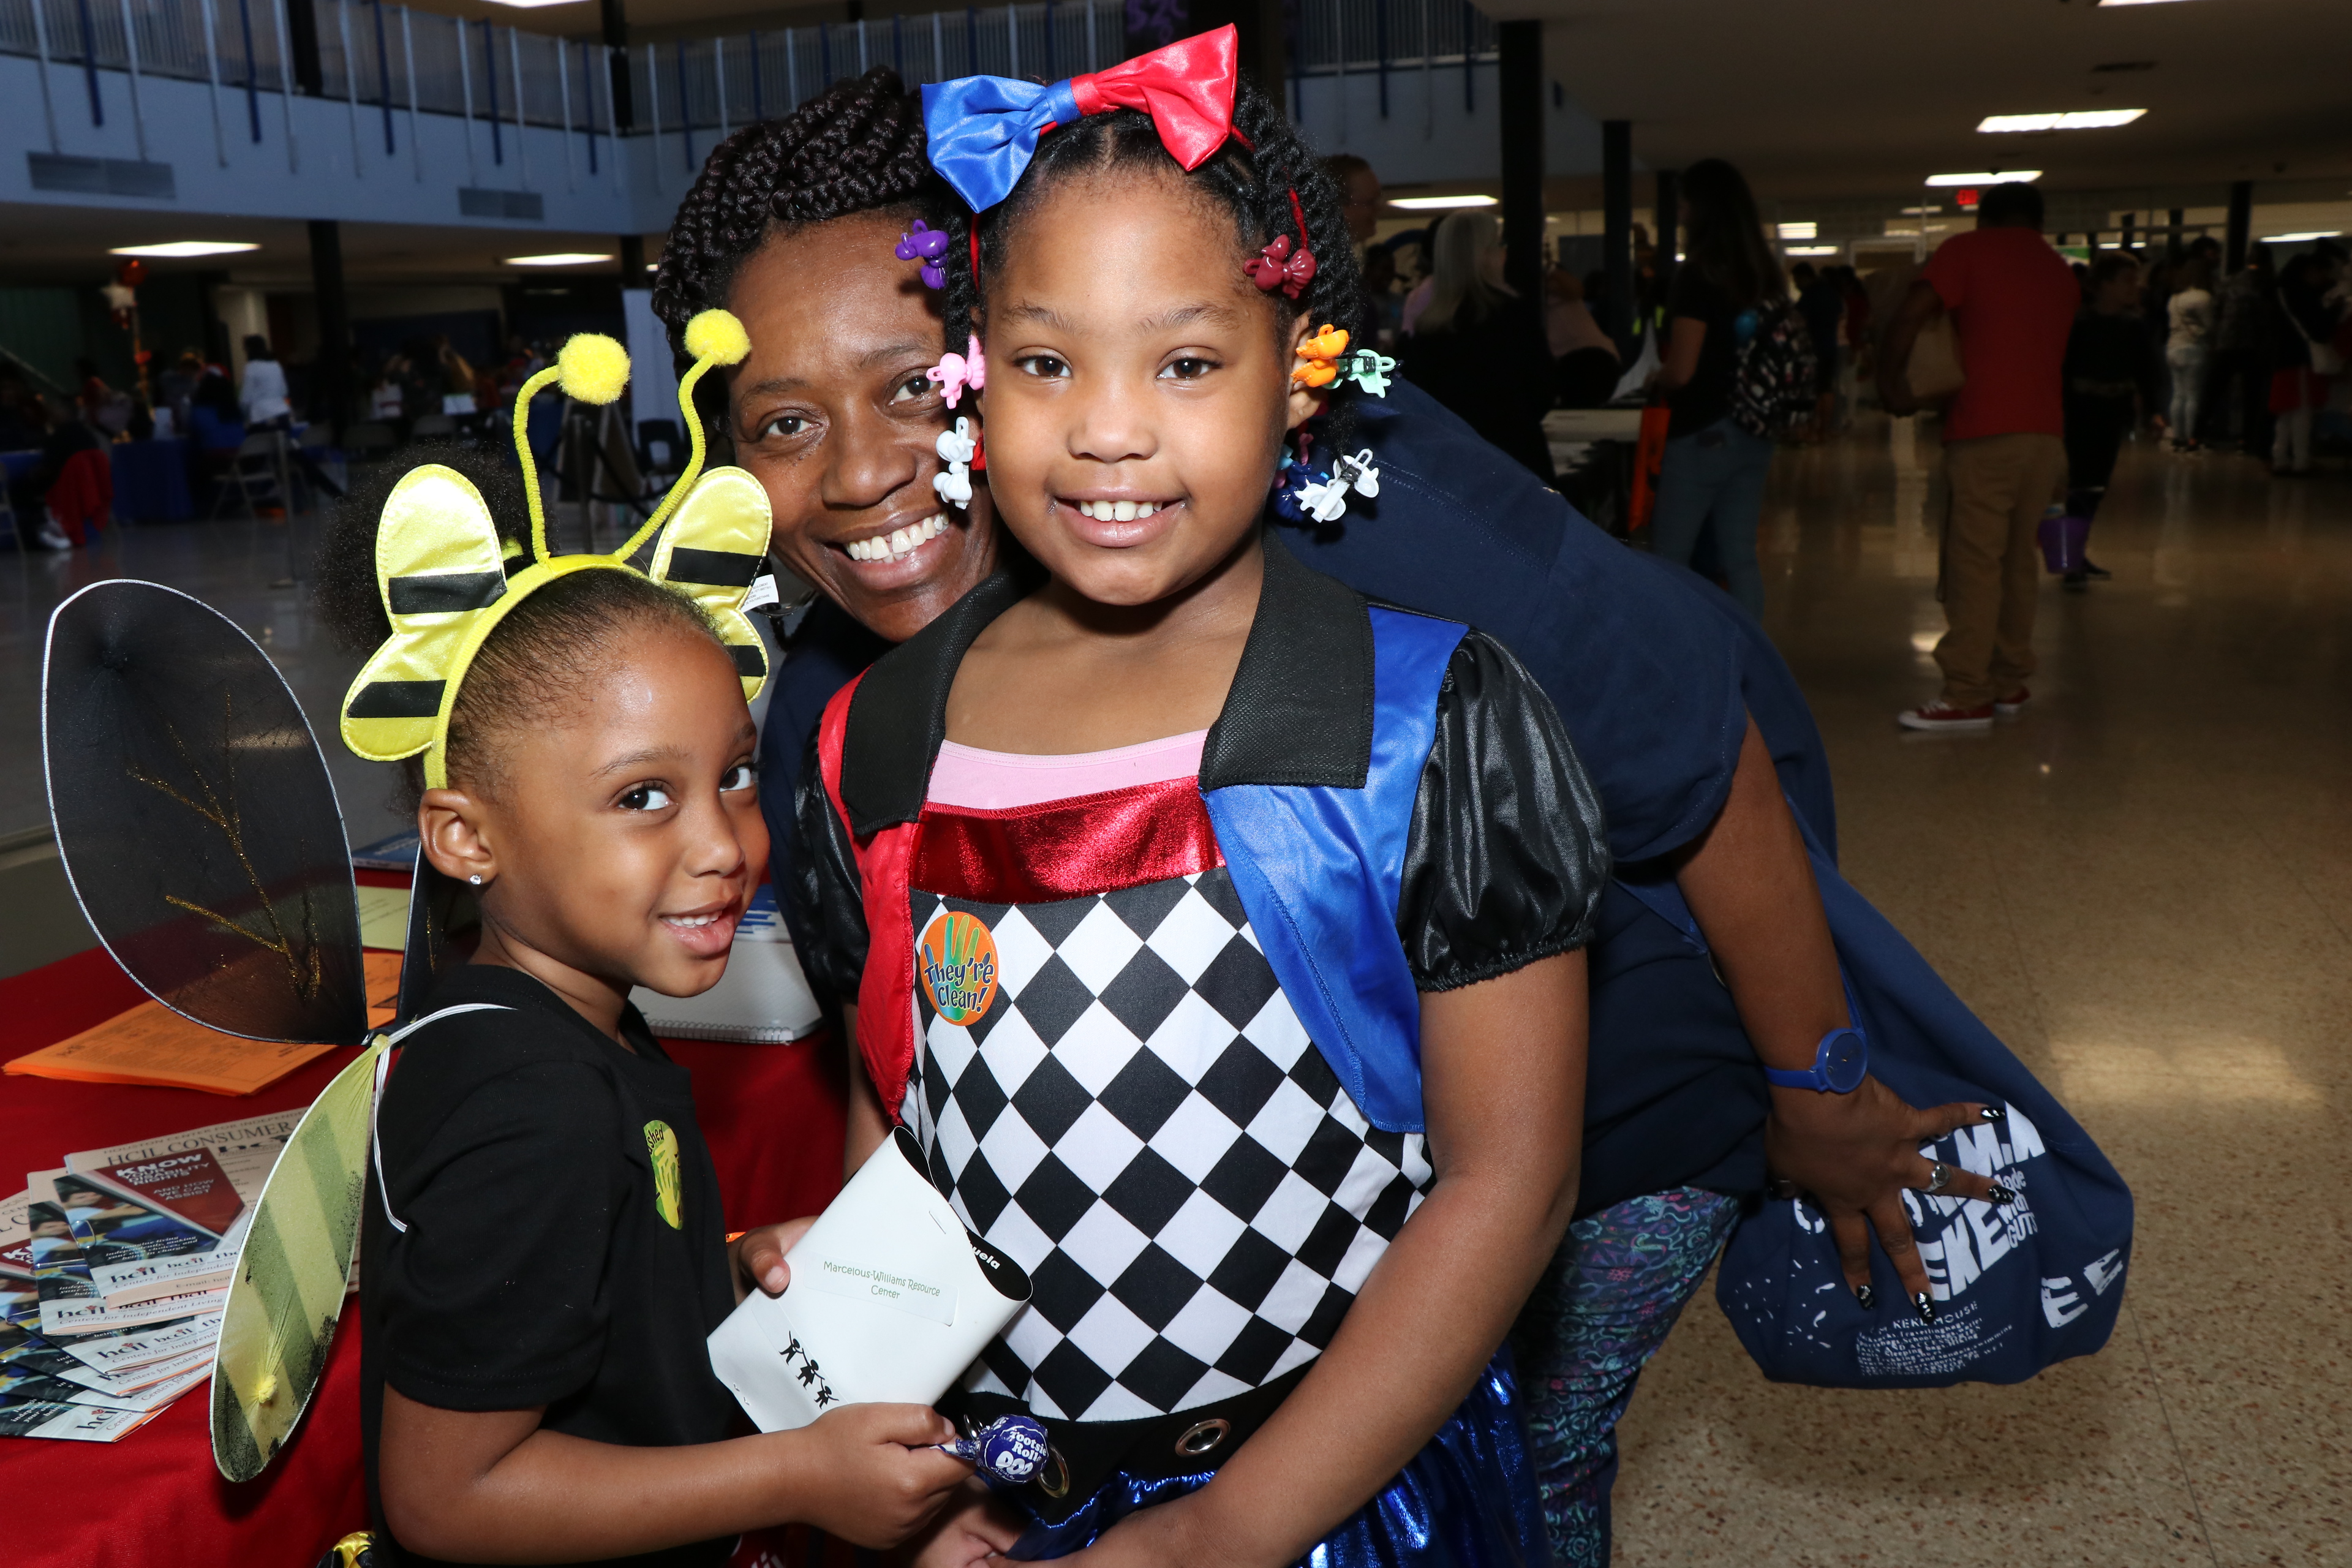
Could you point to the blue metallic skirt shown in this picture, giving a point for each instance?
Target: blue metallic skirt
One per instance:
(1466, 1501)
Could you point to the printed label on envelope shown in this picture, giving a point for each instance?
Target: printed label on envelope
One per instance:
(841, 1277)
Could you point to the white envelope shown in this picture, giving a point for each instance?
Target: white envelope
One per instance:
(891, 1300)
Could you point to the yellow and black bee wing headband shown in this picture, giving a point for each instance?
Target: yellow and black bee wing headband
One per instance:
(446, 581)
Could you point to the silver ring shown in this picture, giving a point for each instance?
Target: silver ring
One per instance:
(1940, 1176)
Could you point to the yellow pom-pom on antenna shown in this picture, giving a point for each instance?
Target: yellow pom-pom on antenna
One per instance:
(592, 368)
(718, 336)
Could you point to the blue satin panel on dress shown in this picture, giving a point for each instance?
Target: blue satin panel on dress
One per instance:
(1319, 871)
(1466, 1501)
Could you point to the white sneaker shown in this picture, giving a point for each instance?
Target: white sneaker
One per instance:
(52, 537)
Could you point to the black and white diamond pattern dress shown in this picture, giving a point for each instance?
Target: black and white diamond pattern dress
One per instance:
(1137, 1117)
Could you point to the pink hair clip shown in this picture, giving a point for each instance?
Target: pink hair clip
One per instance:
(927, 245)
(957, 371)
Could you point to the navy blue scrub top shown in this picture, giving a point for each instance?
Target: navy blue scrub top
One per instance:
(1656, 672)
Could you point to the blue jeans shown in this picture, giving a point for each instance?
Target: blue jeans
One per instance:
(1712, 483)
(1602, 1308)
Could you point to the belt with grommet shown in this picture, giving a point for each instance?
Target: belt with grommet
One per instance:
(1080, 1456)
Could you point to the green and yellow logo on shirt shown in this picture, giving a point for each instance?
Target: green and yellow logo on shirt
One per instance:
(661, 1144)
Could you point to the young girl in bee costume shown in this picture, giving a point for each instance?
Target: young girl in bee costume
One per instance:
(543, 1248)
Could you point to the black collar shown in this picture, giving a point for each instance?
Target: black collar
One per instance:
(1300, 711)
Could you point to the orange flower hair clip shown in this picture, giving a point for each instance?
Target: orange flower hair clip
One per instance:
(1319, 358)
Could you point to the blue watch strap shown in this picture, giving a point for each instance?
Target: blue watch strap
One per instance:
(1839, 1063)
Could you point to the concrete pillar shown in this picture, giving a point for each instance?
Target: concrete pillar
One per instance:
(332, 375)
(1264, 58)
(2242, 222)
(302, 42)
(1522, 117)
(1617, 222)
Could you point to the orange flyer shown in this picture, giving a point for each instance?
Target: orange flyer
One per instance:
(150, 1043)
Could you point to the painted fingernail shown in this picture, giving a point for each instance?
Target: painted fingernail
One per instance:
(1993, 1114)
(1867, 1295)
(2001, 1194)
(1927, 1307)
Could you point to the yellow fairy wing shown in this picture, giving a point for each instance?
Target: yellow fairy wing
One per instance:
(437, 564)
(288, 1291)
(710, 549)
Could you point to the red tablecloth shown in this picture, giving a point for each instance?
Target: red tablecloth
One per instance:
(772, 1115)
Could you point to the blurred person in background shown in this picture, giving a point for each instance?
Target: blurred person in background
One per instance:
(2303, 357)
(1360, 209)
(1584, 358)
(2111, 378)
(1711, 481)
(263, 395)
(2188, 315)
(1416, 299)
(1479, 345)
(2237, 364)
(1822, 303)
(2012, 301)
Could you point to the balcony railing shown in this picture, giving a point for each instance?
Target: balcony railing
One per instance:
(386, 61)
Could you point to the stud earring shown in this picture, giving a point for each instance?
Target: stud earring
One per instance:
(475, 878)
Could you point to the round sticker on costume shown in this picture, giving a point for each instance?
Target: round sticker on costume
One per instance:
(662, 1144)
(959, 964)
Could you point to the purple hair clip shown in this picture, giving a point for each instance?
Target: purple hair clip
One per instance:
(927, 245)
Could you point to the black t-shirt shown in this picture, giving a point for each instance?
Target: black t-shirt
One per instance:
(564, 1246)
(1706, 397)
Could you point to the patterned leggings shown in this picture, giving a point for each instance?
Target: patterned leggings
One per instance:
(1602, 1308)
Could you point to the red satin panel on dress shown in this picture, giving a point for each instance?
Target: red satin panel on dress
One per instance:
(1065, 849)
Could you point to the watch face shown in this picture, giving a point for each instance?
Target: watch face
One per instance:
(1846, 1061)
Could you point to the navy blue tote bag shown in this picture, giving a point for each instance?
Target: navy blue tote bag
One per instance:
(2016, 1288)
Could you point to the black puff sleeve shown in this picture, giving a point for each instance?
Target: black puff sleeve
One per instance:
(827, 895)
(1508, 855)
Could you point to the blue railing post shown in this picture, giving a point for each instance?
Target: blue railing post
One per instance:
(1380, 44)
(757, 111)
(824, 54)
(490, 75)
(90, 61)
(1052, 71)
(588, 93)
(252, 71)
(685, 106)
(1469, 80)
(971, 40)
(383, 76)
(897, 46)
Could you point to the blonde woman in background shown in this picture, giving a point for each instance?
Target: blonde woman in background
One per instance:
(1478, 346)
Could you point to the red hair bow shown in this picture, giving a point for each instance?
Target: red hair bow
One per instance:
(1186, 87)
(1278, 266)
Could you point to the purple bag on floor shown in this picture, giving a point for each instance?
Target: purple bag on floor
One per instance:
(2064, 538)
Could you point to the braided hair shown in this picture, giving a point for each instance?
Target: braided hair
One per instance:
(856, 147)
(1252, 177)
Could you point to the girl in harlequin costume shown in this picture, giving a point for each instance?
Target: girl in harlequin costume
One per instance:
(542, 1232)
(1217, 932)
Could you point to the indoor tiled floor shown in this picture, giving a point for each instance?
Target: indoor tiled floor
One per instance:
(2144, 884)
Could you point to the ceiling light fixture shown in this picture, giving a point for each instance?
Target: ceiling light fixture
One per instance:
(1805, 230)
(2072, 120)
(2103, 3)
(558, 258)
(2298, 239)
(1439, 204)
(1814, 249)
(1920, 211)
(1991, 177)
(180, 248)
(528, 4)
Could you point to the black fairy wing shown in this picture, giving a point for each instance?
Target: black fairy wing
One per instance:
(195, 817)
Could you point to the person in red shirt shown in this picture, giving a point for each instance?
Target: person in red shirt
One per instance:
(2012, 300)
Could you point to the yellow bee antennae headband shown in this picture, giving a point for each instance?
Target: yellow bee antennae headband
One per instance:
(441, 570)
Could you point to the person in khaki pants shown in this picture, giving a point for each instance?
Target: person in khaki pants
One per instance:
(2011, 300)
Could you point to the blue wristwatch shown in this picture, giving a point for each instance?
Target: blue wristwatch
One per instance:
(1839, 1063)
